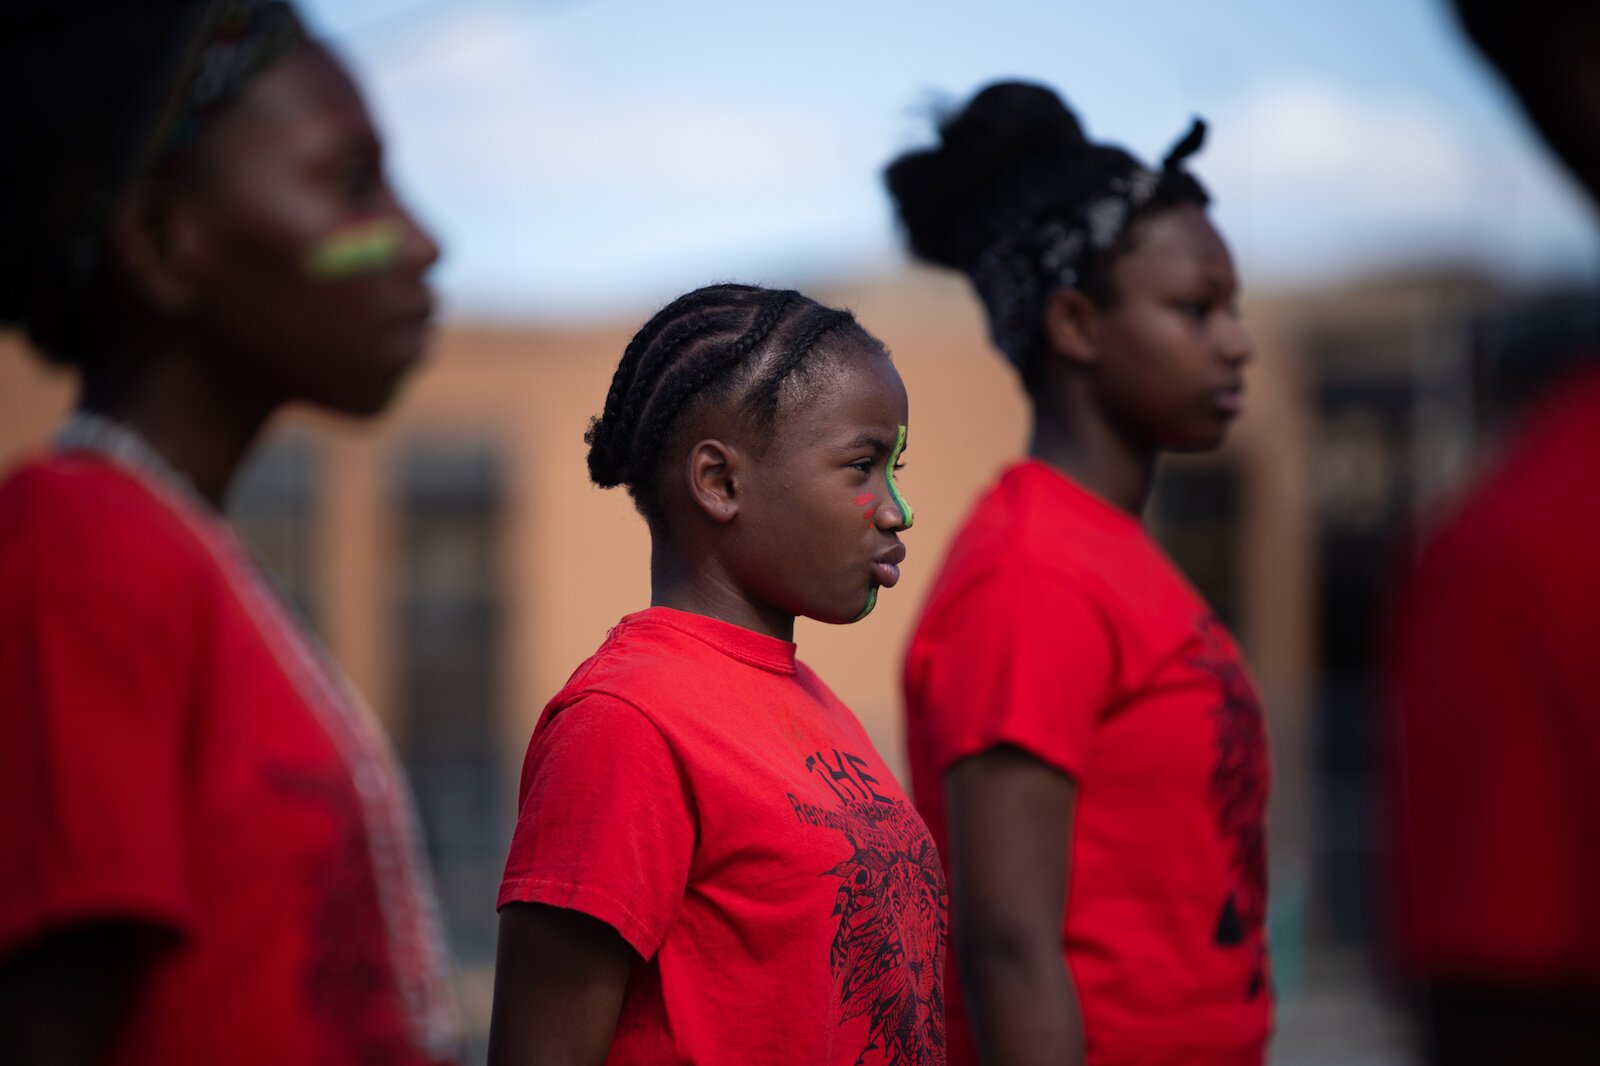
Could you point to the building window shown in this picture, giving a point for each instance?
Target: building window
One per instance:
(1194, 513)
(448, 668)
(271, 506)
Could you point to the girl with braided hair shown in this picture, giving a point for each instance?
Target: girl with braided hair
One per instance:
(1084, 741)
(711, 863)
(211, 856)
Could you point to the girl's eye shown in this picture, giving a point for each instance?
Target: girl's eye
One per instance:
(899, 467)
(361, 183)
(1196, 309)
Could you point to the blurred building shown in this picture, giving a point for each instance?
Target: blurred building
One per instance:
(459, 564)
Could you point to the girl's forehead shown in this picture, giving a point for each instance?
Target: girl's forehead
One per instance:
(848, 396)
(1175, 245)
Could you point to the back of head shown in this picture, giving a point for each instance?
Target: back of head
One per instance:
(742, 348)
(1549, 53)
(1016, 197)
(85, 86)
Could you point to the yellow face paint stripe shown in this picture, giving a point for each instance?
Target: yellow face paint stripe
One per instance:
(362, 248)
(894, 490)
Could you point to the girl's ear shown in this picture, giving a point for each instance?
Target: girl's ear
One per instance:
(156, 244)
(711, 468)
(1070, 326)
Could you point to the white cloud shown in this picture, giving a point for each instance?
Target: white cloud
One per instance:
(563, 179)
(551, 180)
(1313, 179)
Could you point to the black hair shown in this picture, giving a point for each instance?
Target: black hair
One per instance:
(95, 95)
(1540, 48)
(79, 81)
(1010, 165)
(728, 344)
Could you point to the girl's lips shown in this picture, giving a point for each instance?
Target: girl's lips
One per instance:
(1229, 402)
(886, 567)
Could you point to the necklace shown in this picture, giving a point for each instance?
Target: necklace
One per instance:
(405, 890)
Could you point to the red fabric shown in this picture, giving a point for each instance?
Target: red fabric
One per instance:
(156, 765)
(1495, 735)
(700, 791)
(1059, 627)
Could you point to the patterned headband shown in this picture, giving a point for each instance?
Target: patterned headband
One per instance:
(235, 41)
(230, 44)
(1033, 258)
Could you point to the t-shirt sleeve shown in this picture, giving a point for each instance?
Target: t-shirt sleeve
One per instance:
(607, 824)
(1021, 661)
(92, 726)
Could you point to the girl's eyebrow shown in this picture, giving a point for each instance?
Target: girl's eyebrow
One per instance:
(868, 439)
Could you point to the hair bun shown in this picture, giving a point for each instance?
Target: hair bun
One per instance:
(954, 197)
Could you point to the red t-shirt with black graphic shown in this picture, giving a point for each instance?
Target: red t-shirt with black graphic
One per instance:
(1059, 627)
(704, 794)
(160, 764)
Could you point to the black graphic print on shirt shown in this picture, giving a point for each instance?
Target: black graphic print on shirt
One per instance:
(348, 984)
(1239, 793)
(887, 956)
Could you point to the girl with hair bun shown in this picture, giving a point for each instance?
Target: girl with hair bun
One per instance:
(1085, 743)
(711, 864)
(211, 855)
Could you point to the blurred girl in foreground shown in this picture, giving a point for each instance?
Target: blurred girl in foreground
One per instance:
(211, 849)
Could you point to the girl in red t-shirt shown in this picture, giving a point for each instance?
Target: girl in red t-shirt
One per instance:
(1084, 741)
(711, 863)
(210, 855)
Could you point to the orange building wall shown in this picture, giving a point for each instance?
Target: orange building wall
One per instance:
(576, 558)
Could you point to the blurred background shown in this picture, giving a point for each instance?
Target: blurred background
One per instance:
(1398, 230)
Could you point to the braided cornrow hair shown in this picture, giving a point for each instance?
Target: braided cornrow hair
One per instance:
(724, 343)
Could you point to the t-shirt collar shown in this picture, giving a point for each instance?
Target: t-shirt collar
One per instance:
(1059, 481)
(747, 646)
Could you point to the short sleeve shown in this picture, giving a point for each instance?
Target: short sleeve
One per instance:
(95, 692)
(1019, 661)
(606, 824)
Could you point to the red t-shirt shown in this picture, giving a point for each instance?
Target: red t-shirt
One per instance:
(704, 794)
(1495, 725)
(1058, 626)
(162, 762)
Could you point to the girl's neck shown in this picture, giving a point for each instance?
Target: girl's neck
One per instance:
(705, 588)
(195, 424)
(1084, 446)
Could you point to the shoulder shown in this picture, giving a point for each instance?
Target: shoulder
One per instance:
(71, 522)
(1036, 521)
(633, 658)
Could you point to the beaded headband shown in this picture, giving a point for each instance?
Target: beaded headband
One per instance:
(231, 42)
(1033, 258)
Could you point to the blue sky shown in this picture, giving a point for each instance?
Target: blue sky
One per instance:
(586, 158)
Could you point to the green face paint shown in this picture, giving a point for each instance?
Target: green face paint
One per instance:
(872, 601)
(358, 248)
(894, 490)
(900, 505)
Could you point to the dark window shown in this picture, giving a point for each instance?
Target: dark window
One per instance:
(448, 668)
(271, 506)
(1194, 513)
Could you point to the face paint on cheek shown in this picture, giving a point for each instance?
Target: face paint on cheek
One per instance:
(894, 490)
(863, 500)
(365, 247)
(872, 601)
